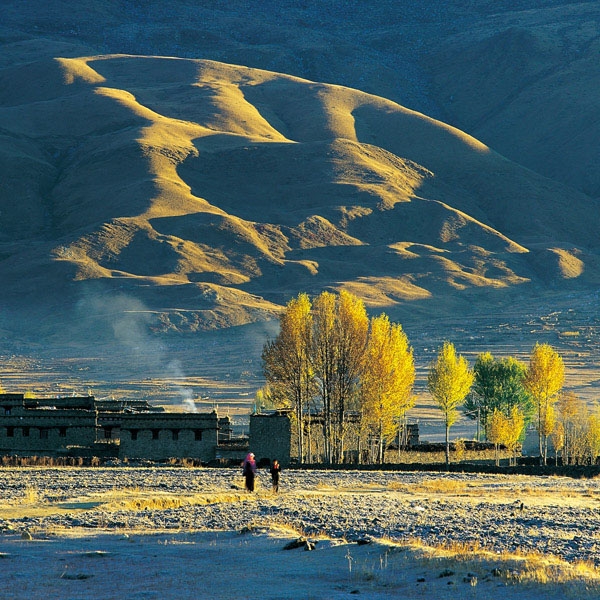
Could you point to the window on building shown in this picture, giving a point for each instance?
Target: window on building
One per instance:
(43, 434)
(198, 434)
(107, 433)
(7, 410)
(25, 431)
(134, 433)
(155, 433)
(10, 432)
(175, 433)
(62, 431)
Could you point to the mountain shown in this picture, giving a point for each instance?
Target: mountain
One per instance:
(527, 84)
(213, 192)
(519, 75)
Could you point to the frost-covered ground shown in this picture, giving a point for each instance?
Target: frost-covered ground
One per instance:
(198, 541)
(229, 566)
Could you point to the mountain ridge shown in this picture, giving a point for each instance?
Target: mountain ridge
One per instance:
(223, 190)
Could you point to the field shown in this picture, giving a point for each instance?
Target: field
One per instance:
(76, 532)
(223, 369)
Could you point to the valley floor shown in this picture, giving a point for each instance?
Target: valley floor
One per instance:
(194, 533)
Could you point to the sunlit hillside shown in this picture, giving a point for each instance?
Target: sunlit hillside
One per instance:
(219, 191)
(520, 75)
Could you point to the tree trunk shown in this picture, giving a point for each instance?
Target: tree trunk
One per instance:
(309, 438)
(447, 443)
(540, 433)
(327, 425)
(300, 415)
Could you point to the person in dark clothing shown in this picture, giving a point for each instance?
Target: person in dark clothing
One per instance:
(275, 470)
(249, 472)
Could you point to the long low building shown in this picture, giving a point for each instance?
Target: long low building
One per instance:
(131, 429)
(166, 435)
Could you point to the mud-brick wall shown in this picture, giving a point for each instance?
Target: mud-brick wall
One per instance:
(270, 437)
(163, 436)
(46, 431)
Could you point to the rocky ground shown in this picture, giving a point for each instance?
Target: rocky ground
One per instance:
(551, 515)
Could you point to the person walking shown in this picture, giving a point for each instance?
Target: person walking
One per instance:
(275, 470)
(249, 472)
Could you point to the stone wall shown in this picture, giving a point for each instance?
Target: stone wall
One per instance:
(38, 430)
(168, 435)
(270, 436)
(51, 425)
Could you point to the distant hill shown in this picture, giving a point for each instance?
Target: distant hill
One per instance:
(213, 192)
(528, 86)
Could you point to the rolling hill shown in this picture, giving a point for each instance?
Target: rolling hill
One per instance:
(213, 192)
(519, 75)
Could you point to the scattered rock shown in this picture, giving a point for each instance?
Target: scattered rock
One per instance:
(26, 535)
(246, 529)
(446, 573)
(299, 543)
(76, 576)
(364, 541)
(421, 580)
(96, 554)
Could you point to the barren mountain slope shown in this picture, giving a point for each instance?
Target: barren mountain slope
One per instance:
(520, 75)
(214, 192)
(527, 84)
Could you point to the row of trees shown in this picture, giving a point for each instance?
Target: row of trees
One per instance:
(576, 430)
(329, 359)
(508, 395)
(356, 375)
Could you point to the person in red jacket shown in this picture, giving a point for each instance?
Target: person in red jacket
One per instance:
(249, 472)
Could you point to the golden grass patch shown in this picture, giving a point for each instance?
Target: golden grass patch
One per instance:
(432, 486)
(512, 566)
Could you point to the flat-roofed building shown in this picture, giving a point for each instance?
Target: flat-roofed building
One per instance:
(169, 435)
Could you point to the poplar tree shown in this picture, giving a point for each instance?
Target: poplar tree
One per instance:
(449, 381)
(569, 406)
(387, 381)
(513, 430)
(286, 361)
(593, 437)
(498, 384)
(324, 356)
(352, 326)
(496, 426)
(544, 380)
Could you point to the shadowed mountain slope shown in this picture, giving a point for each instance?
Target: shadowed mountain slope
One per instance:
(214, 192)
(527, 84)
(520, 75)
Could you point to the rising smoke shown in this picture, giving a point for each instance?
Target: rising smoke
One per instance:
(120, 324)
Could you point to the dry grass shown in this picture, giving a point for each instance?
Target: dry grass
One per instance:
(432, 486)
(31, 496)
(48, 461)
(514, 566)
(135, 499)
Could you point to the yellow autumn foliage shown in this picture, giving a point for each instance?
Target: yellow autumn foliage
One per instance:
(544, 380)
(387, 380)
(449, 381)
